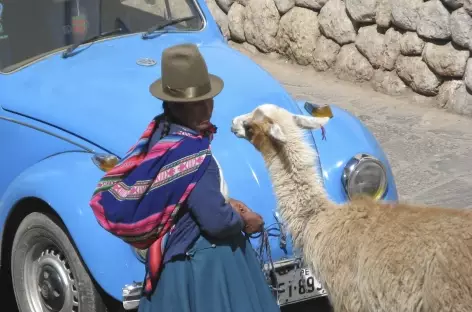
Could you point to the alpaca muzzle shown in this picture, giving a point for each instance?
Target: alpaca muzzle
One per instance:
(238, 126)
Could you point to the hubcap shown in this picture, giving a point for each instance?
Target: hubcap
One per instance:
(49, 282)
(50, 287)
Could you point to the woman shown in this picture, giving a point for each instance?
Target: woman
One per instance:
(203, 262)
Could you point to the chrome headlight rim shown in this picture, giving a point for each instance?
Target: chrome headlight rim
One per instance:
(354, 163)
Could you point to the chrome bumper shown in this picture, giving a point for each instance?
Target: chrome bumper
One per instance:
(132, 295)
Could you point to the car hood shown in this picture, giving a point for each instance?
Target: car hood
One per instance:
(102, 95)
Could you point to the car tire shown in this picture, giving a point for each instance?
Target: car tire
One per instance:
(47, 273)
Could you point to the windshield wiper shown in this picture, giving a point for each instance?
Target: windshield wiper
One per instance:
(119, 28)
(167, 23)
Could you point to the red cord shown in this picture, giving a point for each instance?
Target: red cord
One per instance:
(323, 133)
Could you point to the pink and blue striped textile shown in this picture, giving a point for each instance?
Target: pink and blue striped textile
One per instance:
(140, 197)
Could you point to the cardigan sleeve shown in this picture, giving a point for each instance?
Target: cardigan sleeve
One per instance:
(207, 204)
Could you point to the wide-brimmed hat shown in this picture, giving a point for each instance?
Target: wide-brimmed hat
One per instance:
(184, 76)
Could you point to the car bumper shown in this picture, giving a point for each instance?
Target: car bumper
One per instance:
(132, 295)
(280, 273)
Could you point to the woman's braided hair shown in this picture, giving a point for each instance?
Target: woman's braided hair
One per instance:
(166, 118)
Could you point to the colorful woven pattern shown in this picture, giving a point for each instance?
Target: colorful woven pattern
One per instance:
(140, 197)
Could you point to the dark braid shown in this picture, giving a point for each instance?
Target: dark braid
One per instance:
(166, 117)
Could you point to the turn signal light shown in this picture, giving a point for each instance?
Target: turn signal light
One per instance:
(105, 161)
(318, 110)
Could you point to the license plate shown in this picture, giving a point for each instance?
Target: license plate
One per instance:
(298, 285)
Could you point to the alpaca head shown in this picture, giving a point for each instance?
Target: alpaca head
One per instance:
(269, 127)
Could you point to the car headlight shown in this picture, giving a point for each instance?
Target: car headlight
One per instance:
(365, 175)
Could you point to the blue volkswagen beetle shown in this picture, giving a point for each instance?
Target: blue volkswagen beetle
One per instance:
(74, 79)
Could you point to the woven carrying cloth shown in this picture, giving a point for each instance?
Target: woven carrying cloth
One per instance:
(140, 197)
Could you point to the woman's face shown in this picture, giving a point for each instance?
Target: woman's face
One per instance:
(193, 114)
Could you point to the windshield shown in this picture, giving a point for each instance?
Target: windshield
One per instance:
(32, 28)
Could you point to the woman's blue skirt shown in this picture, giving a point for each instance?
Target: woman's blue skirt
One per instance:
(216, 276)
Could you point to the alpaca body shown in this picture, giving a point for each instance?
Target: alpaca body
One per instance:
(369, 256)
(372, 257)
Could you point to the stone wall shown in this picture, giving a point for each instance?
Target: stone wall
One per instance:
(395, 45)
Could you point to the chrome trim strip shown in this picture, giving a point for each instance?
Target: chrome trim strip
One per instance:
(47, 132)
(61, 50)
(61, 129)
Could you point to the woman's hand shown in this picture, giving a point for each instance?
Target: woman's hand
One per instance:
(238, 205)
(252, 220)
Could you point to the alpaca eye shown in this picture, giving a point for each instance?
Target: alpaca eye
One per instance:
(247, 126)
(248, 129)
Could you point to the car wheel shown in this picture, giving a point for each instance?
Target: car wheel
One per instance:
(47, 273)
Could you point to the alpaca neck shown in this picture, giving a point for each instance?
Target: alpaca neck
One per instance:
(297, 184)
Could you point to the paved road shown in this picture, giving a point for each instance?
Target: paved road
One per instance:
(430, 150)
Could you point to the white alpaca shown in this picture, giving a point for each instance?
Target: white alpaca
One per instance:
(369, 256)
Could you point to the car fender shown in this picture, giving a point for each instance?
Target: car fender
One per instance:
(346, 136)
(66, 182)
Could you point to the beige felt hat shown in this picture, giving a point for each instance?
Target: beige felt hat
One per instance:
(184, 76)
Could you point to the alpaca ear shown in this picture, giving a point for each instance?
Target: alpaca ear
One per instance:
(308, 122)
(276, 133)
